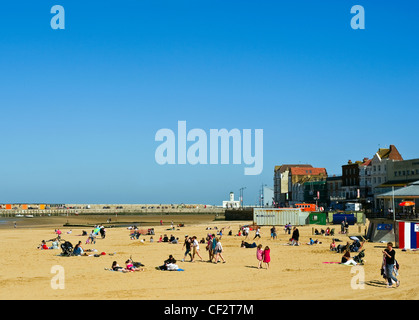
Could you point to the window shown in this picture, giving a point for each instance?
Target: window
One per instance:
(395, 173)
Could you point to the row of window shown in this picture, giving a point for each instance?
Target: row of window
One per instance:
(406, 173)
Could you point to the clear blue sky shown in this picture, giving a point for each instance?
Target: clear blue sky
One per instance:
(80, 106)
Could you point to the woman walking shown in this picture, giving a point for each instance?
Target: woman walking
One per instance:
(389, 257)
(218, 251)
(195, 248)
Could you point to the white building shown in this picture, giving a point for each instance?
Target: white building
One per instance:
(379, 167)
(231, 203)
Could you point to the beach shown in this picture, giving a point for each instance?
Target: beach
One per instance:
(296, 272)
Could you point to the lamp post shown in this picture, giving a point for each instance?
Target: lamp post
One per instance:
(394, 209)
(241, 196)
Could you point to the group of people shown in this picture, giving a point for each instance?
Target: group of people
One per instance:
(327, 232)
(213, 246)
(263, 256)
(54, 244)
(99, 229)
(165, 238)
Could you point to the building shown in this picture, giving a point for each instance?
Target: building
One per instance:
(405, 171)
(316, 192)
(356, 181)
(392, 200)
(297, 177)
(267, 197)
(379, 164)
(350, 180)
(231, 204)
(281, 183)
(335, 193)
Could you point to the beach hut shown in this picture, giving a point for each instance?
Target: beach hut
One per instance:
(319, 218)
(407, 235)
(339, 217)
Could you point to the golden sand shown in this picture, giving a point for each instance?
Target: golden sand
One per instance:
(295, 272)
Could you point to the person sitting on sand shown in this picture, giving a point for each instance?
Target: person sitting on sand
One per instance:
(43, 245)
(333, 245)
(78, 250)
(116, 267)
(168, 264)
(346, 258)
(327, 233)
(130, 266)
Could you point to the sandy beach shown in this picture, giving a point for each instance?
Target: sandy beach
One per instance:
(296, 272)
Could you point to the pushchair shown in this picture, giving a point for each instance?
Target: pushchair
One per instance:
(67, 249)
(359, 257)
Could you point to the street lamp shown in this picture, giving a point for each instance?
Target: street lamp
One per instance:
(241, 196)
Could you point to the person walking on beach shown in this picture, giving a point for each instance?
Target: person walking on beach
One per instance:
(187, 244)
(195, 248)
(273, 233)
(209, 247)
(257, 233)
(218, 251)
(267, 256)
(295, 237)
(259, 255)
(389, 256)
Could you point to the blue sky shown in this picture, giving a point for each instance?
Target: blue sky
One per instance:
(80, 107)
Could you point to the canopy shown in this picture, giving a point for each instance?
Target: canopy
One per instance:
(407, 203)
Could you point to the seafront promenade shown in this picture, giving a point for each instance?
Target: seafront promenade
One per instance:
(108, 209)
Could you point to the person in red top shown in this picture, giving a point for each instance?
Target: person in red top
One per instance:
(43, 245)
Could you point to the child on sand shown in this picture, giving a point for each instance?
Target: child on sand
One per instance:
(267, 256)
(259, 255)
